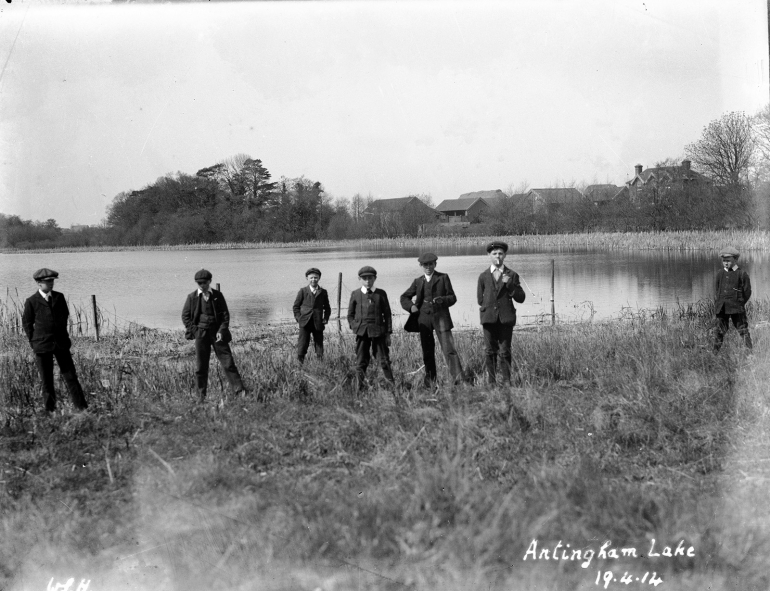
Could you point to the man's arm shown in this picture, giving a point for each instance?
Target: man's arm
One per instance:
(296, 308)
(450, 299)
(28, 320)
(480, 290)
(386, 312)
(514, 288)
(225, 313)
(187, 313)
(326, 307)
(352, 310)
(746, 287)
(406, 297)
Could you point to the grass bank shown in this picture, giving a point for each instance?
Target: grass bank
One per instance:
(708, 240)
(624, 432)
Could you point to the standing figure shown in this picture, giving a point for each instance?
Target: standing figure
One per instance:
(312, 312)
(370, 319)
(497, 286)
(433, 295)
(207, 320)
(45, 322)
(732, 290)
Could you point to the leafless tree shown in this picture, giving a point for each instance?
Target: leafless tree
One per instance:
(726, 150)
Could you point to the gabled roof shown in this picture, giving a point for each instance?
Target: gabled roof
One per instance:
(557, 196)
(397, 204)
(485, 195)
(458, 204)
(601, 192)
(668, 174)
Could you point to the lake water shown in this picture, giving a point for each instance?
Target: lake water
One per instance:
(149, 287)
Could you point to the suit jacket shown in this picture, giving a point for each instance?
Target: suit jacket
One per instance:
(46, 326)
(431, 315)
(312, 308)
(731, 291)
(383, 321)
(191, 313)
(495, 297)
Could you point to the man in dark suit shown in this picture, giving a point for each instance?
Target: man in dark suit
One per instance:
(370, 319)
(207, 320)
(312, 312)
(497, 286)
(45, 322)
(732, 289)
(433, 295)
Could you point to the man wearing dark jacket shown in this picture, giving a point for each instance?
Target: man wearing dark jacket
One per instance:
(433, 295)
(207, 320)
(312, 312)
(497, 287)
(45, 322)
(371, 320)
(732, 289)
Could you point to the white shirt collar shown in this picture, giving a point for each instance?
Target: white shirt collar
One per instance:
(206, 296)
(314, 291)
(733, 268)
(363, 289)
(45, 295)
(428, 277)
(501, 268)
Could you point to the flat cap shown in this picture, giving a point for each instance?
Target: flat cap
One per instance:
(203, 275)
(427, 257)
(367, 271)
(729, 251)
(45, 274)
(497, 244)
(312, 270)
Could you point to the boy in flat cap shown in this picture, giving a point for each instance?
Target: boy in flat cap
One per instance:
(732, 289)
(45, 322)
(370, 319)
(312, 312)
(433, 295)
(207, 320)
(497, 287)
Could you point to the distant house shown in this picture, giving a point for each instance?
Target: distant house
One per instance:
(651, 183)
(602, 194)
(402, 215)
(469, 207)
(78, 227)
(552, 199)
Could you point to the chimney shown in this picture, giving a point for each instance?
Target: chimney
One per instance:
(638, 169)
(686, 164)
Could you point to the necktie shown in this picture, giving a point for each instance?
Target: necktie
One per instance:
(497, 274)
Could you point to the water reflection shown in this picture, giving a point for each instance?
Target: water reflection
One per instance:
(260, 284)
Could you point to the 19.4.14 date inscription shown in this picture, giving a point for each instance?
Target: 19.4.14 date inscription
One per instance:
(606, 577)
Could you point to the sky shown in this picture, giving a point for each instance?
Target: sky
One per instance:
(372, 97)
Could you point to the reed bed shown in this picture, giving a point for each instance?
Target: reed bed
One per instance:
(708, 240)
(624, 431)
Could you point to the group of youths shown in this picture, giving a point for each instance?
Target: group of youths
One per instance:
(207, 320)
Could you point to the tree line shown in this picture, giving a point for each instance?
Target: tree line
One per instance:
(236, 200)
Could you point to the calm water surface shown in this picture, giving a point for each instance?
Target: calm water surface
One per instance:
(149, 287)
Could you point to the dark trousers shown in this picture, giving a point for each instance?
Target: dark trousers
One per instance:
(447, 342)
(303, 342)
(44, 363)
(498, 338)
(222, 350)
(740, 322)
(381, 352)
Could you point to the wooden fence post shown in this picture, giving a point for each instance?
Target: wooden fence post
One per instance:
(553, 306)
(96, 316)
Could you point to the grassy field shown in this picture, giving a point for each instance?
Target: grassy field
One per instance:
(709, 240)
(623, 432)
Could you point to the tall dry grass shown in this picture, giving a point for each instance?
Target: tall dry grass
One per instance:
(622, 431)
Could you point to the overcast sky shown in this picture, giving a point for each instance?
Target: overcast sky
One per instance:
(387, 98)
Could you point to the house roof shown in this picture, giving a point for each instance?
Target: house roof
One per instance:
(485, 195)
(396, 204)
(558, 196)
(601, 192)
(457, 204)
(668, 174)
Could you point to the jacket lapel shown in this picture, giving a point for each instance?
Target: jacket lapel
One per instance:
(499, 284)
